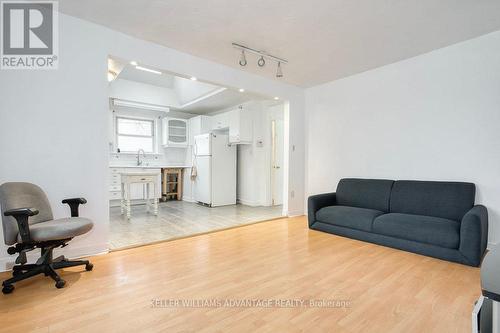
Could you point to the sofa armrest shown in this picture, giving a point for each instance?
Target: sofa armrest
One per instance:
(318, 201)
(474, 234)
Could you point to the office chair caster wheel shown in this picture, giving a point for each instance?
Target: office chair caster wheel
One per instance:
(7, 289)
(89, 267)
(60, 284)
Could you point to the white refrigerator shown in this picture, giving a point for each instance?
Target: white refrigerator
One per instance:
(215, 161)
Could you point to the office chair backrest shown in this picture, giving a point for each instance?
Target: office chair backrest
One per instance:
(22, 195)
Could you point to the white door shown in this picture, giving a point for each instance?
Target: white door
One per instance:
(202, 145)
(203, 181)
(277, 151)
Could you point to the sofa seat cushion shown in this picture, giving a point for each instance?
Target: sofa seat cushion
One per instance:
(350, 217)
(419, 228)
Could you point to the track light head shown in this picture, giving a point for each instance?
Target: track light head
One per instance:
(263, 56)
(279, 72)
(261, 62)
(243, 59)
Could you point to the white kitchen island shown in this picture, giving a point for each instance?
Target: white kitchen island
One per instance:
(148, 180)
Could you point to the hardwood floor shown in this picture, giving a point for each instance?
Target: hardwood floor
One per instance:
(386, 290)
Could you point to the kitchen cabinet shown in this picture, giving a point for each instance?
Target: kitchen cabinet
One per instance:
(220, 121)
(198, 125)
(174, 132)
(240, 126)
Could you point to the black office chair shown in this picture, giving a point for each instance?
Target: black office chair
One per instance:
(28, 224)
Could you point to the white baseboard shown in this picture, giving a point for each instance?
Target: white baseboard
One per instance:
(188, 199)
(491, 245)
(292, 213)
(249, 203)
(6, 263)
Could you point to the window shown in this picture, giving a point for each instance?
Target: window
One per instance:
(134, 134)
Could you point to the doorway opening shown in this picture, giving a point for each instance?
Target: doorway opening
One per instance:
(277, 154)
(189, 157)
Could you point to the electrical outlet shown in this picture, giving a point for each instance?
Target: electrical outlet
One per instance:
(292, 194)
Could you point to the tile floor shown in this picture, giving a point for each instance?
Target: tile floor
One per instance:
(178, 219)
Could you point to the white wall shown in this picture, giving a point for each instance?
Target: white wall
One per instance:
(54, 130)
(54, 124)
(435, 116)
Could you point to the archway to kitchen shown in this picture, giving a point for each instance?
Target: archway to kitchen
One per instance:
(190, 157)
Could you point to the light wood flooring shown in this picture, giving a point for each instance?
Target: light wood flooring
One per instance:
(387, 290)
(180, 219)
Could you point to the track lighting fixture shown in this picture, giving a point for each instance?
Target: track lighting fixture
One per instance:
(261, 62)
(243, 59)
(262, 58)
(279, 72)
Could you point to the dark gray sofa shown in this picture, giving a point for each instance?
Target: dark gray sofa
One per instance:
(436, 219)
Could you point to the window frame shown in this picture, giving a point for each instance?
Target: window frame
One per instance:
(153, 133)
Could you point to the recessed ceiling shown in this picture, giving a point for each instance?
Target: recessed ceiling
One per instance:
(323, 40)
(221, 101)
(194, 97)
(133, 74)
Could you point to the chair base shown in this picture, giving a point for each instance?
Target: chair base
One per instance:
(45, 265)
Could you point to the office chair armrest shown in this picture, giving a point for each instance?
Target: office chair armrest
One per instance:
(73, 205)
(21, 215)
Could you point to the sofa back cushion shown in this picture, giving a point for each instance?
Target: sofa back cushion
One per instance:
(364, 193)
(449, 200)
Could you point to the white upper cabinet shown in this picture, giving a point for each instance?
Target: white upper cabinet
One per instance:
(240, 126)
(198, 125)
(220, 121)
(174, 132)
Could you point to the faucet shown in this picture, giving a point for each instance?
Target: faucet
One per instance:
(139, 161)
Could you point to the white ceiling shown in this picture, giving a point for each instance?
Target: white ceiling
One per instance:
(323, 39)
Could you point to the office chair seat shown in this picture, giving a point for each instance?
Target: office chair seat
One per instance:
(64, 228)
